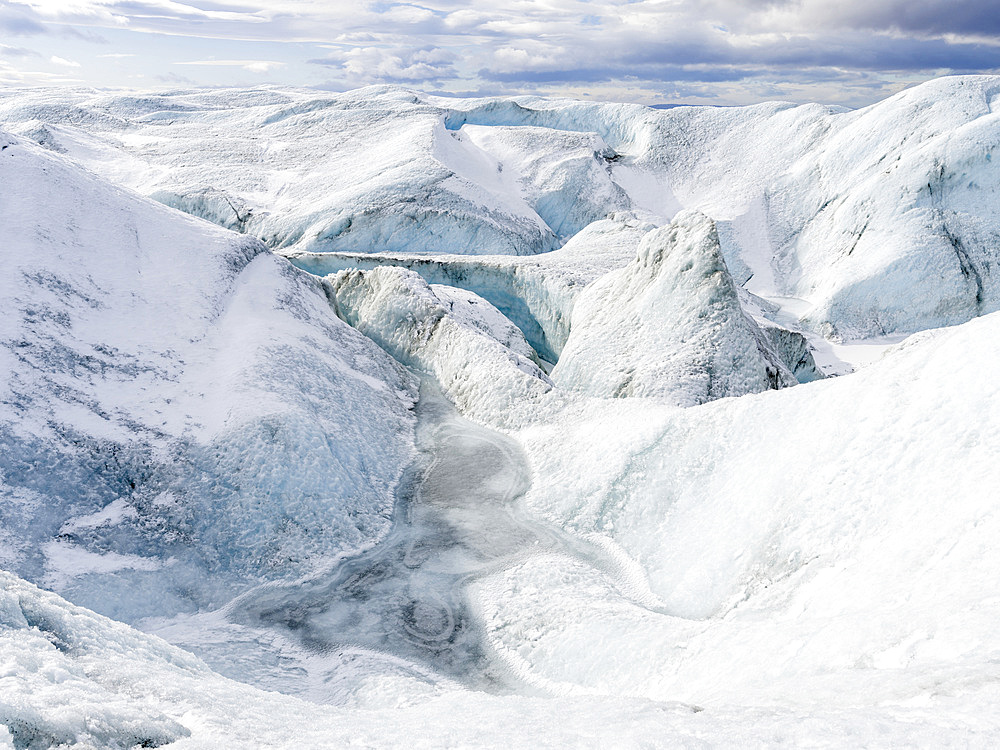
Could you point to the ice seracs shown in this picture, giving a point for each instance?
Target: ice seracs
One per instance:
(669, 324)
(480, 360)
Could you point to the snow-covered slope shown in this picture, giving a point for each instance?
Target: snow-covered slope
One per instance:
(830, 544)
(69, 677)
(371, 170)
(198, 437)
(182, 412)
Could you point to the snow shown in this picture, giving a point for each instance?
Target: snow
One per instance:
(71, 676)
(881, 219)
(277, 170)
(822, 545)
(482, 362)
(536, 292)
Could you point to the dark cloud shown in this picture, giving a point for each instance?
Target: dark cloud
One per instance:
(19, 24)
(929, 17)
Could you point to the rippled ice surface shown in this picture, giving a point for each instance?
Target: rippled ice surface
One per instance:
(454, 520)
(399, 606)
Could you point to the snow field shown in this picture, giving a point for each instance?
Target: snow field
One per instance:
(796, 544)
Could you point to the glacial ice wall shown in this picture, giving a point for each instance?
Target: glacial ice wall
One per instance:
(480, 360)
(536, 293)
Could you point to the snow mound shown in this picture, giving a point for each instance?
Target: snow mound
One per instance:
(669, 324)
(565, 177)
(182, 412)
(54, 692)
(478, 357)
(829, 544)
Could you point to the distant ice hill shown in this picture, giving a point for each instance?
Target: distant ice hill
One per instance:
(881, 219)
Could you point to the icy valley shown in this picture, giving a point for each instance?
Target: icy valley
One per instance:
(381, 419)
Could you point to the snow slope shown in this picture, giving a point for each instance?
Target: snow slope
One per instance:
(182, 412)
(371, 170)
(72, 678)
(829, 544)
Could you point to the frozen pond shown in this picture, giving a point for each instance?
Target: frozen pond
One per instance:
(455, 519)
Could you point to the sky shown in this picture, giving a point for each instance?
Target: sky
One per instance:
(722, 52)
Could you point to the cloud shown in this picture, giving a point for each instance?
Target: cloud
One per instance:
(63, 62)
(362, 65)
(7, 51)
(175, 79)
(254, 66)
(19, 24)
(928, 17)
(623, 48)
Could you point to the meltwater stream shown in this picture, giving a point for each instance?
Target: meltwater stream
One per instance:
(455, 519)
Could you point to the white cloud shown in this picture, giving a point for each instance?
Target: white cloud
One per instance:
(362, 65)
(254, 66)
(718, 48)
(64, 62)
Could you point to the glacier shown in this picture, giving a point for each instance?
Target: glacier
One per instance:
(381, 418)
